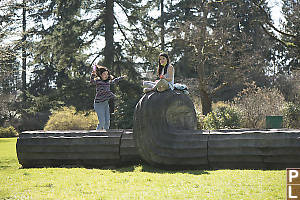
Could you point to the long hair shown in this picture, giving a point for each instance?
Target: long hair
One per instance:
(100, 69)
(160, 67)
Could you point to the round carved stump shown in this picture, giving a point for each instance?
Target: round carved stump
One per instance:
(165, 131)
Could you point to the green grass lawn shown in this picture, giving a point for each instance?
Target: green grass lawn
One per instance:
(134, 182)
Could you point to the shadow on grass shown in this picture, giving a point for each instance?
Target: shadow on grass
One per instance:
(4, 167)
(147, 168)
(131, 167)
(7, 163)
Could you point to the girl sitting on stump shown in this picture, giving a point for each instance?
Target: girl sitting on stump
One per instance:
(102, 79)
(165, 72)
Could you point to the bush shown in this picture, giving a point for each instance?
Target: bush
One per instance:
(222, 117)
(67, 118)
(291, 113)
(200, 120)
(8, 132)
(256, 103)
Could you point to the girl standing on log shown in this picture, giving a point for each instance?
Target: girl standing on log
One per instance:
(165, 72)
(102, 79)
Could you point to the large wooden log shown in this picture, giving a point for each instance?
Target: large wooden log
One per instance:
(254, 149)
(82, 148)
(128, 150)
(165, 131)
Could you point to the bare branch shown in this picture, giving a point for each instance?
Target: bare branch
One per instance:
(123, 33)
(268, 22)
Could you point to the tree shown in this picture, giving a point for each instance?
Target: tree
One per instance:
(224, 44)
(10, 81)
(24, 56)
(109, 33)
(288, 36)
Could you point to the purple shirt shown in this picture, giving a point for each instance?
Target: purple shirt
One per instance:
(103, 92)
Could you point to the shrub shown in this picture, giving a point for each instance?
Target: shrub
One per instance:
(200, 120)
(291, 113)
(256, 103)
(67, 118)
(222, 117)
(8, 132)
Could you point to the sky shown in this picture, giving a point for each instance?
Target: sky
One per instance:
(276, 11)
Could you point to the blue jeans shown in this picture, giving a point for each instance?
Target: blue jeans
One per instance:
(102, 110)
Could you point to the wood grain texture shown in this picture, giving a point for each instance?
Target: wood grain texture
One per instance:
(82, 148)
(164, 131)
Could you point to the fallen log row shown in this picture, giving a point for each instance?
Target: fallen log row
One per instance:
(220, 149)
(82, 148)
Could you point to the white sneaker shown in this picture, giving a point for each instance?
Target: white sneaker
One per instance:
(145, 90)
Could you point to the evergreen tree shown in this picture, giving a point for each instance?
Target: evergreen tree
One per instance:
(291, 35)
(24, 36)
(10, 79)
(286, 51)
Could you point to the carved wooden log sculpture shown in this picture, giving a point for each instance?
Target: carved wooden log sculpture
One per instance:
(165, 131)
(82, 148)
(165, 135)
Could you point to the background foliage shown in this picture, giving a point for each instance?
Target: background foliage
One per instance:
(67, 118)
(48, 47)
(223, 117)
(8, 132)
(255, 103)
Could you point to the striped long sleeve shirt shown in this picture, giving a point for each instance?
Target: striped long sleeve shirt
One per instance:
(103, 92)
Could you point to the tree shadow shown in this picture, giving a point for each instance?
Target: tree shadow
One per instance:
(144, 167)
(4, 167)
(132, 167)
(7, 163)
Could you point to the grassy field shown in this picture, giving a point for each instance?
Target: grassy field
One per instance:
(134, 182)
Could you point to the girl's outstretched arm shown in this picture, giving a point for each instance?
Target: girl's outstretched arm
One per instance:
(116, 80)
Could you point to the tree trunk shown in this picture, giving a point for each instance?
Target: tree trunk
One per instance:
(24, 47)
(206, 102)
(162, 25)
(109, 34)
